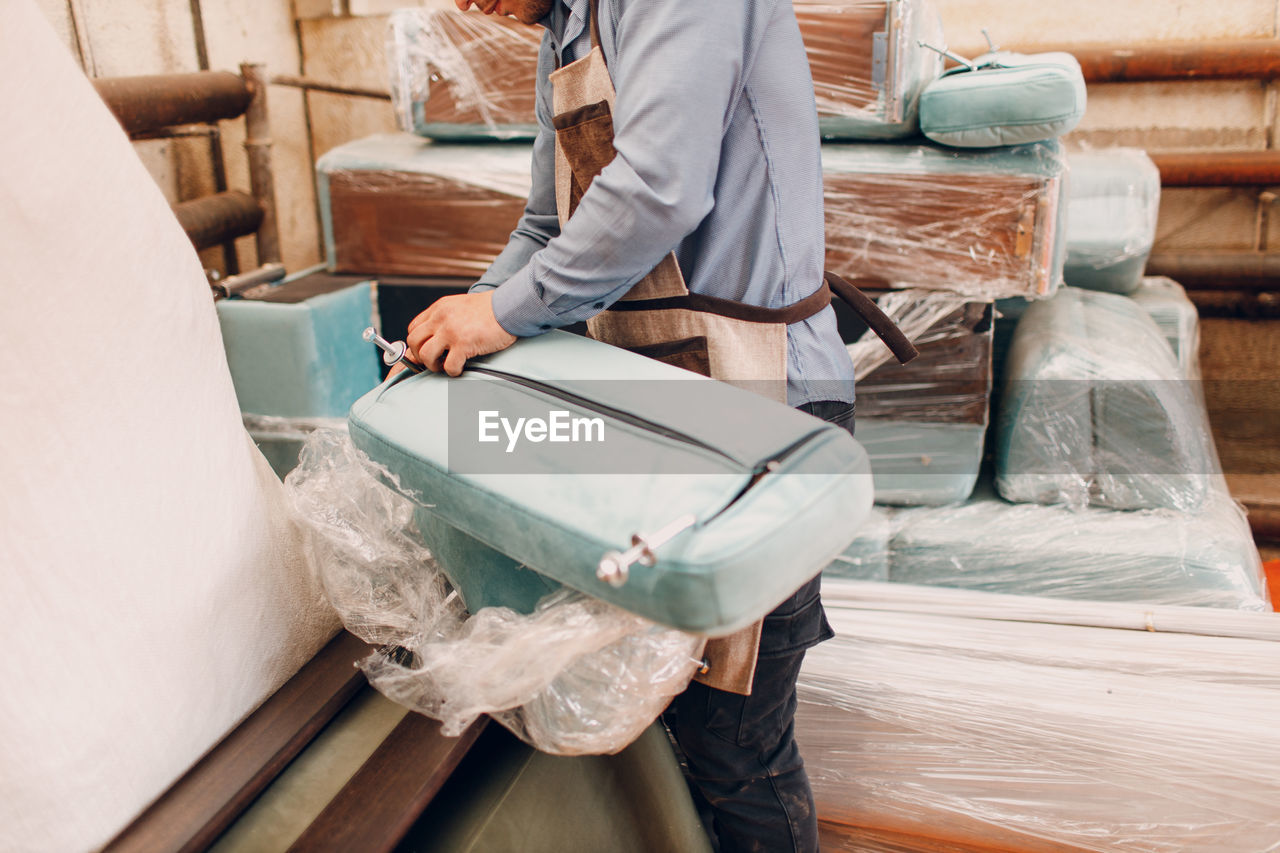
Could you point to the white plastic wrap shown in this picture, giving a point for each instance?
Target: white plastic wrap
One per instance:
(576, 676)
(953, 720)
(1161, 556)
(1096, 411)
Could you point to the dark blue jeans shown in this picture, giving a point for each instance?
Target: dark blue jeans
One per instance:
(739, 752)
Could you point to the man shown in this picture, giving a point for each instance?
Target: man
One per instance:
(700, 241)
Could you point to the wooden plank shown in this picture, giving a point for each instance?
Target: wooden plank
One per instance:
(376, 809)
(222, 784)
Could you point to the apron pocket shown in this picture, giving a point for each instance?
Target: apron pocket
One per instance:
(689, 353)
(586, 138)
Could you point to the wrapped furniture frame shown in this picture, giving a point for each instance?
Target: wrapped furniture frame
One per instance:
(986, 223)
(467, 76)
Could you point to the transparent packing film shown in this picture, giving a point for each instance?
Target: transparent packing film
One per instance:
(459, 76)
(468, 76)
(398, 204)
(868, 64)
(1096, 410)
(984, 223)
(950, 719)
(924, 424)
(575, 676)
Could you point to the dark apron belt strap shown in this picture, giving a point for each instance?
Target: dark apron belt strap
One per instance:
(876, 319)
(870, 312)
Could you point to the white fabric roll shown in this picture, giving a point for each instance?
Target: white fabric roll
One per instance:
(153, 589)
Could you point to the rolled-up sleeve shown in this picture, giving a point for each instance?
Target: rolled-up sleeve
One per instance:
(678, 72)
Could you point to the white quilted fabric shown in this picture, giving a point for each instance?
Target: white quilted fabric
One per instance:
(152, 588)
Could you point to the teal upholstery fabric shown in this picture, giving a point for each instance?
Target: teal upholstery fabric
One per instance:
(1094, 410)
(300, 359)
(1112, 205)
(704, 451)
(1010, 99)
(297, 360)
(1206, 558)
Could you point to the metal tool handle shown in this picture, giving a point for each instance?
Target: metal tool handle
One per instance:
(615, 566)
(391, 352)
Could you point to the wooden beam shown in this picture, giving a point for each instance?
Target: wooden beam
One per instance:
(378, 807)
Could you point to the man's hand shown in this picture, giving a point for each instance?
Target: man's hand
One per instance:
(454, 329)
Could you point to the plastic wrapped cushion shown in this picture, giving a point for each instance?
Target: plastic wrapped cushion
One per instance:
(1166, 302)
(987, 224)
(573, 676)
(1095, 410)
(1113, 202)
(1162, 556)
(1008, 99)
(396, 204)
(459, 76)
(868, 64)
(949, 719)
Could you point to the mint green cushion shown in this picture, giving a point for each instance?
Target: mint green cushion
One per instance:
(1095, 410)
(756, 538)
(1113, 199)
(1011, 99)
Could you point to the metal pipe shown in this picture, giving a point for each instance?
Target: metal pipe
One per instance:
(257, 143)
(1236, 303)
(154, 101)
(1245, 271)
(1234, 59)
(1219, 168)
(215, 219)
(247, 284)
(317, 86)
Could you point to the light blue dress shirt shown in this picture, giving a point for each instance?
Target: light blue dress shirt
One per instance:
(718, 158)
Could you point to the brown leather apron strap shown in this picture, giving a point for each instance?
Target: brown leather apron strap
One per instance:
(879, 321)
(793, 313)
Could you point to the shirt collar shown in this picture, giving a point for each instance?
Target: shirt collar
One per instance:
(567, 20)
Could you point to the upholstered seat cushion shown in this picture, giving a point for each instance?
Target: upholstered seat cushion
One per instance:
(772, 493)
(1009, 99)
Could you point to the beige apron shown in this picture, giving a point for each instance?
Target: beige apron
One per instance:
(730, 341)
